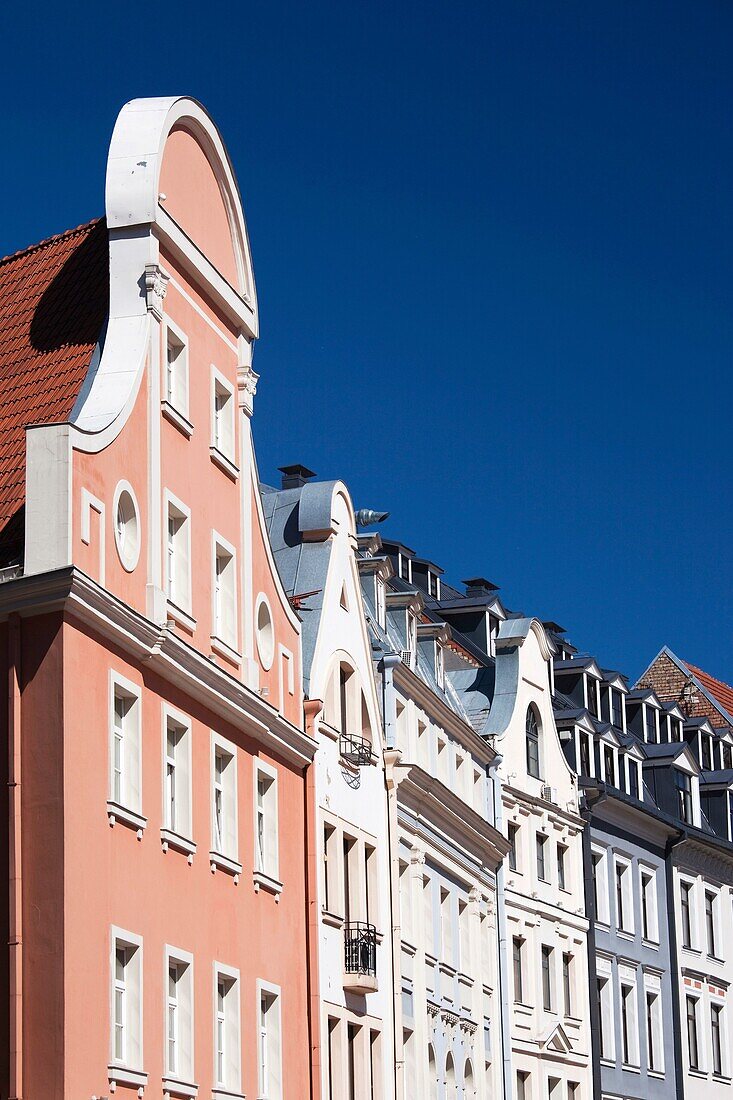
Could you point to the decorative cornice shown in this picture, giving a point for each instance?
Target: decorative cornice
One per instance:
(79, 597)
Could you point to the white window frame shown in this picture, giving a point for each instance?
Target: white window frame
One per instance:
(603, 916)
(221, 634)
(266, 855)
(125, 803)
(223, 451)
(180, 600)
(179, 832)
(230, 1081)
(127, 1068)
(178, 402)
(653, 912)
(628, 979)
(183, 1071)
(607, 1009)
(269, 1043)
(718, 1002)
(653, 988)
(627, 895)
(692, 900)
(224, 852)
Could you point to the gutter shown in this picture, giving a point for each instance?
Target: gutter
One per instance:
(392, 755)
(312, 708)
(505, 1013)
(15, 861)
(586, 812)
(674, 962)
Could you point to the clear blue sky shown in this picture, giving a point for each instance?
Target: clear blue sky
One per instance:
(493, 253)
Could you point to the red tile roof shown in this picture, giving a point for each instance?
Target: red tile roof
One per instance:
(721, 692)
(54, 297)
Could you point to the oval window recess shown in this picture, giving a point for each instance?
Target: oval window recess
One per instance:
(265, 633)
(127, 526)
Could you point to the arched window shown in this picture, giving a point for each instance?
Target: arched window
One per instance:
(432, 1073)
(469, 1089)
(450, 1079)
(532, 731)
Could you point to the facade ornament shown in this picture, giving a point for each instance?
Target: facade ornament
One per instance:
(248, 379)
(156, 288)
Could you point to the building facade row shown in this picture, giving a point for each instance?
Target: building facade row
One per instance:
(289, 815)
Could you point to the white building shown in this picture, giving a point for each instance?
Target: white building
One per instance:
(314, 535)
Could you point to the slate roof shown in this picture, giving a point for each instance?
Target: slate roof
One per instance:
(54, 299)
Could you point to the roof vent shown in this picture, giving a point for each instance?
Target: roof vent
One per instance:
(295, 476)
(479, 586)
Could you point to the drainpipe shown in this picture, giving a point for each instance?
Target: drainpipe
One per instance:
(15, 853)
(505, 1010)
(392, 756)
(312, 708)
(586, 812)
(674, 963)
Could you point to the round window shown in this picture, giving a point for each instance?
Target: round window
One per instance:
(127, 526)
(265, 633)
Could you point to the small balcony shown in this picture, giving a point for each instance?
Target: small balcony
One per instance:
(360, 957)
(355, 749)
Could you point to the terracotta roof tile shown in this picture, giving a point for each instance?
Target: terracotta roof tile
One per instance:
(723, 693)
(54, 297)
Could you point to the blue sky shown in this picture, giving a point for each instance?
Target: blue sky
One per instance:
(493, 249)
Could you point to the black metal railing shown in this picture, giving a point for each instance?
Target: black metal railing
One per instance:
(355, 749)
(360, 948)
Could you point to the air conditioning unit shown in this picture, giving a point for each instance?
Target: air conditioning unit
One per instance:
(549, 794)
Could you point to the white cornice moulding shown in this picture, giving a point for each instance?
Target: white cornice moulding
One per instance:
(172, 658)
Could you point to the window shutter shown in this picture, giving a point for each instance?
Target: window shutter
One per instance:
(132, 763)
(182, 564)
(271, 829)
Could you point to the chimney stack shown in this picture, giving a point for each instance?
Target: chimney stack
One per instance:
(295, 476)
(479, 586)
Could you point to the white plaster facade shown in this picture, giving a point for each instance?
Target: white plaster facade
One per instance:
(546, 928)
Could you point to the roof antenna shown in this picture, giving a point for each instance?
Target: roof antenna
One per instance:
(365, 517)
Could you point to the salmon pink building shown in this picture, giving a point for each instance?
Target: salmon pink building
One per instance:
(160, 854)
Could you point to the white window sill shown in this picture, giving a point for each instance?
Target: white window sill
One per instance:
(125, 816)
(171, 413)
(171, 839)
(652, 944)
(123, 1075)
(225, 863)
(264, 881)
(173, 1087)
(225, 650)
(181, 617)
(220, 459)
(658, 1074)
(220, 1093)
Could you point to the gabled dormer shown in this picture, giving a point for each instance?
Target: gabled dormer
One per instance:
(577, 734)
(401, 557)
(699, 735)
(426, 576)
(431, 641)
(579, 679)
(478, 615)
(671, 721)
(724, 747)
(643, 709)
(375, 571)
(403, 608)
(614, 690)
(672, 774)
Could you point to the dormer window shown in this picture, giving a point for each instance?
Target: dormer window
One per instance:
(683, 784)
(439, 667)
(591, 689)
(532, 732)
(617, 708)
(727, 755)
(381, 604)
(433, 585)
(633, 777)
(585, 768)
(675, 729)
(706, 752)
(609, 765)
(491, 631)
(650, 723)
(405, 567)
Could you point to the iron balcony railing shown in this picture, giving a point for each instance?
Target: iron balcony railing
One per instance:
(360, 948)
(355, 749)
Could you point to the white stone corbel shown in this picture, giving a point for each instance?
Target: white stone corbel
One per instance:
(156, 288)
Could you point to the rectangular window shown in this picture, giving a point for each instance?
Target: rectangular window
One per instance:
(592, 695)
(522, 1085)
(716, 1013)
(178, 555)
(176, 370)
(224, 802)
(654, 1043)
(650, 720)
(446, 925)
(179, 1045)
(222, 416)
(177, 774)
(567, 963)
(649, 922)
(601, 885)
(541, 862)
(627, 993)
(517, 945)
(225, 592)
(706, 752)
(125, 750)
(270, 1042)
(609, 765)
(227, 1042)
(513, 833)
(605, 1001)
(427, 898)
(584, 740)
(353, 1033)
(126, 1000)
(685, 890)
(624, 897)
(683, 783)
(617, 709)
(267, 856)
(692, 1048)
(547, 977)
(561, 852)
(633, 777)
(710, 922)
